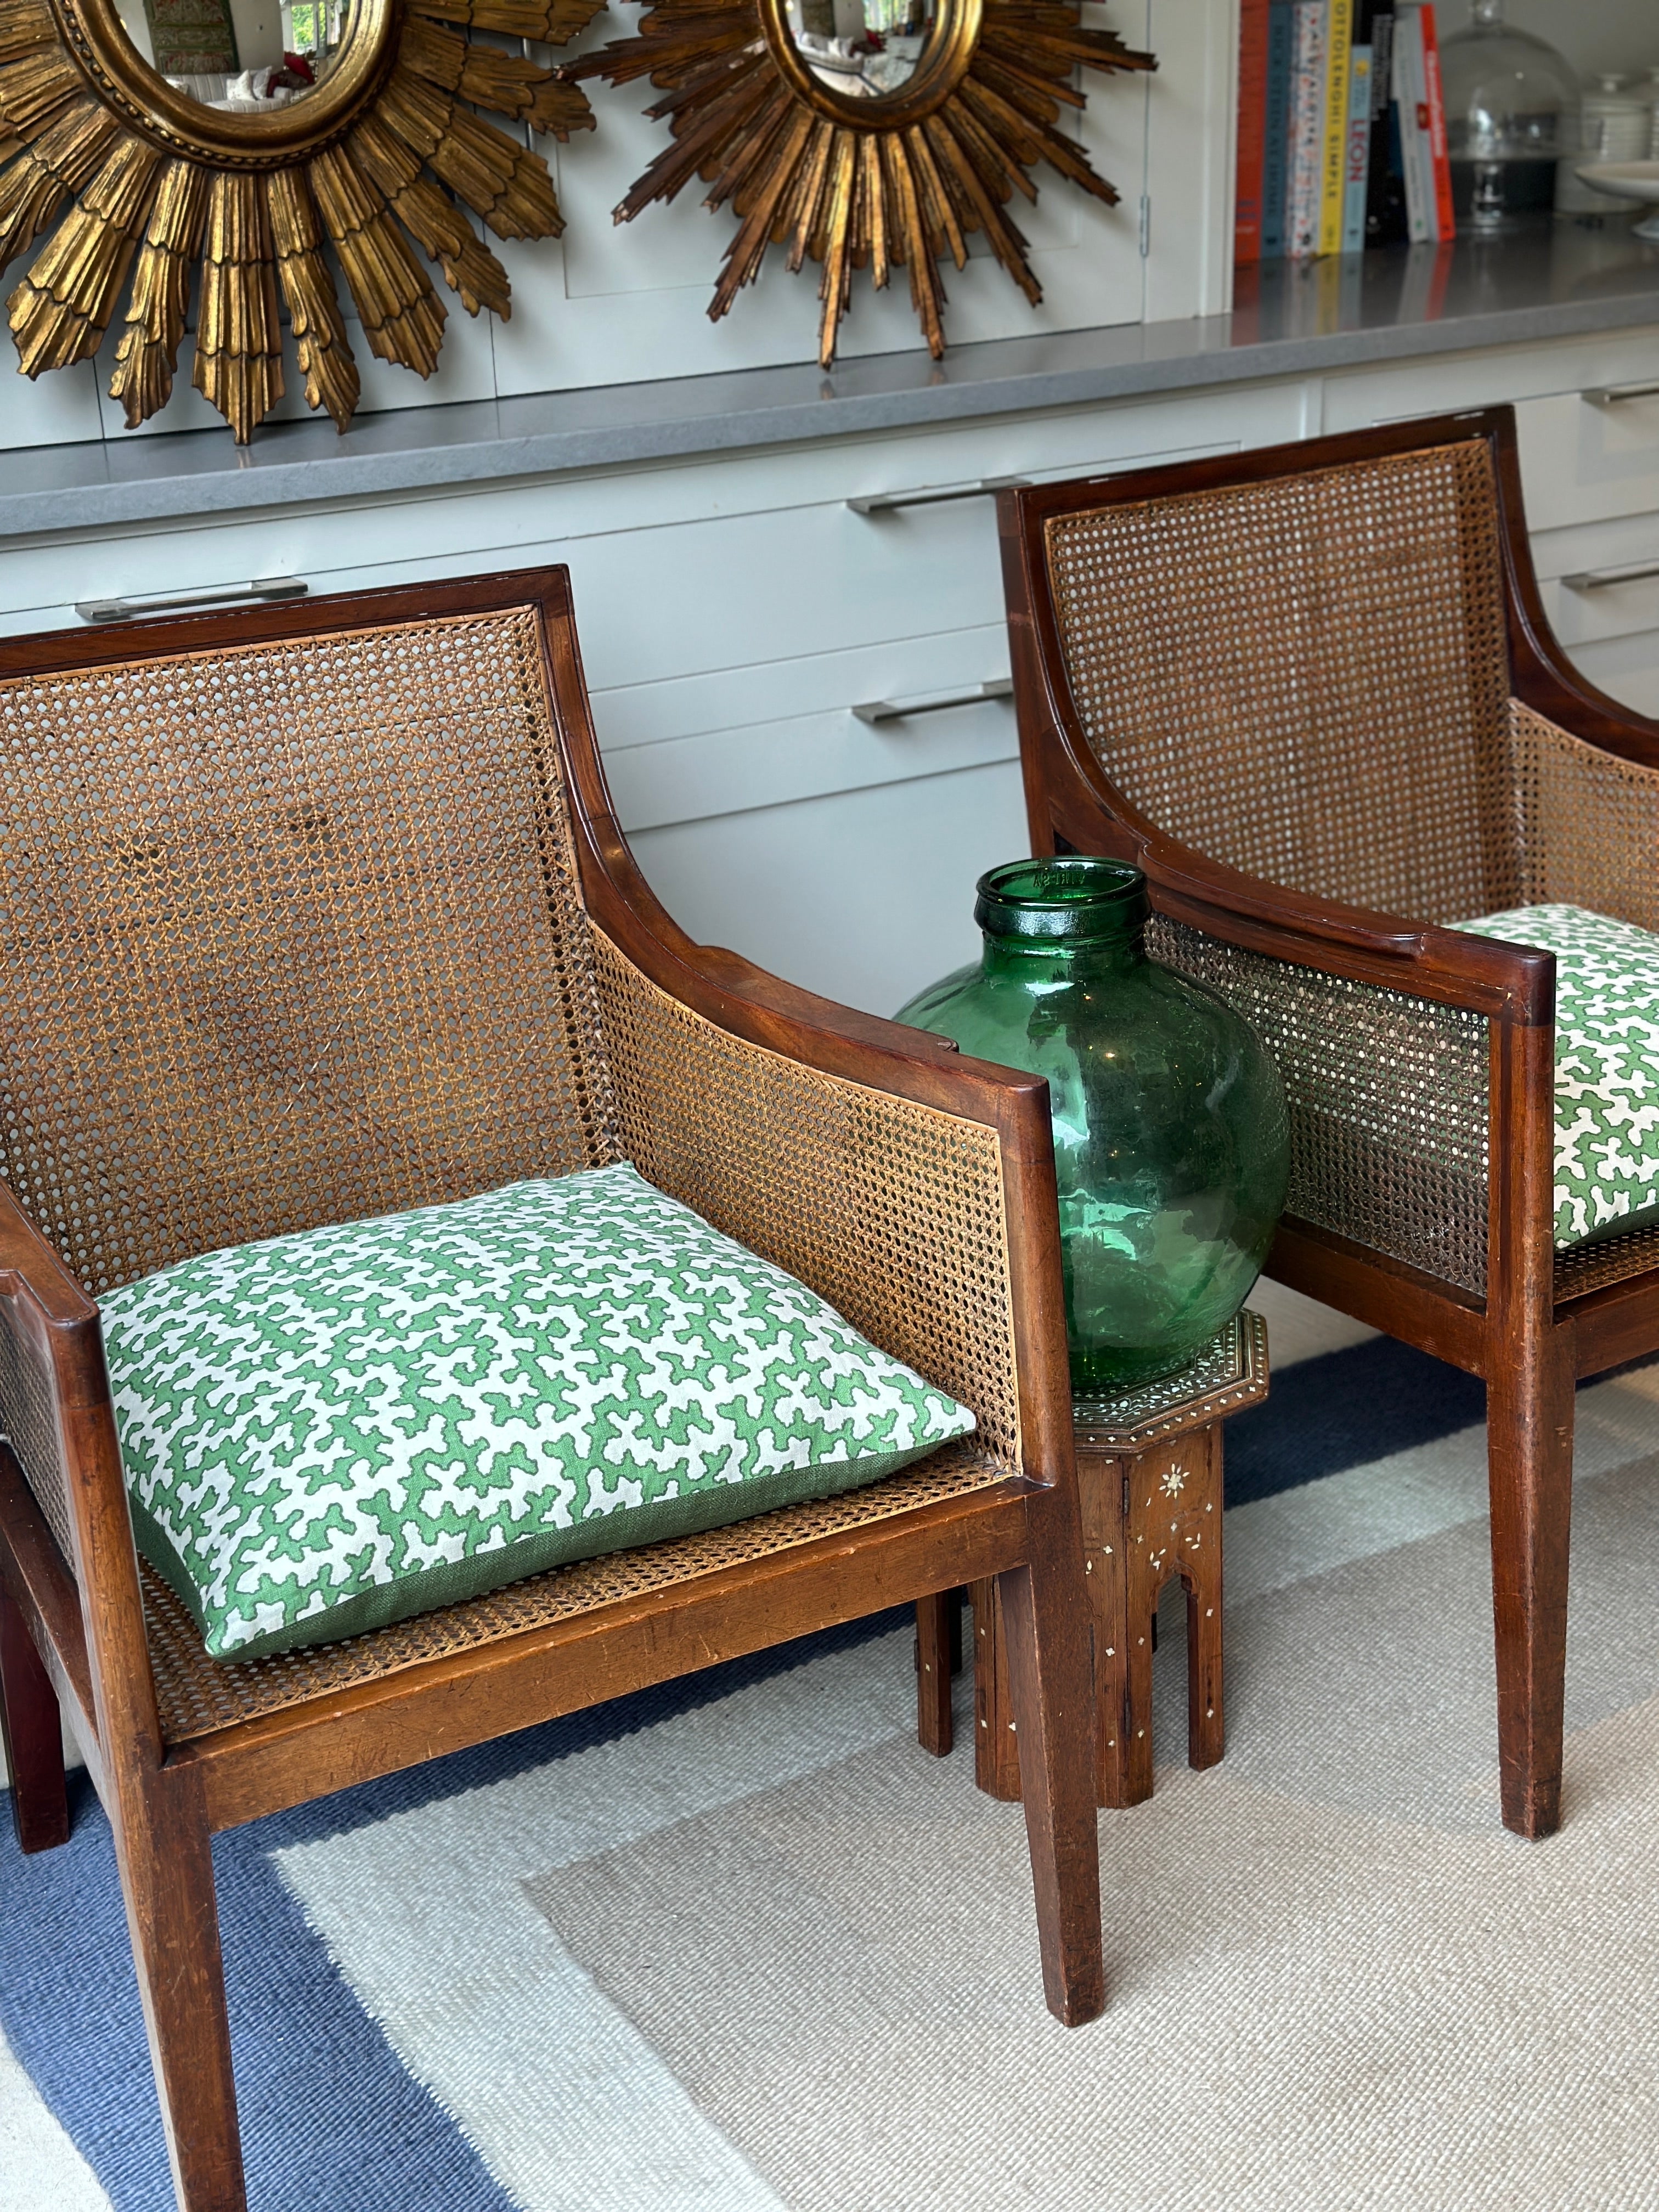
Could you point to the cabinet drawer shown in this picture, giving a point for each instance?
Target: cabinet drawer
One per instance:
(1442, 384)
(1584, 461)
(1626, 669)
(866, 896)
(702, 745)
(1591, 578)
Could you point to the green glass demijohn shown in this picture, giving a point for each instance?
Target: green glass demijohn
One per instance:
(1171, 1144)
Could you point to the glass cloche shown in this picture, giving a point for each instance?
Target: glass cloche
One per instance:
(1511, 111)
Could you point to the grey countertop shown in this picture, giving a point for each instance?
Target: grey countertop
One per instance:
(1557, 280)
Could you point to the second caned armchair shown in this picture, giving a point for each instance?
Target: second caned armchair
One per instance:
(1312, 690)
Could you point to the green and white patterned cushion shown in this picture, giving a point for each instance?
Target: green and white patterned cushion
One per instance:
(1607, 1064)
(329, 1431)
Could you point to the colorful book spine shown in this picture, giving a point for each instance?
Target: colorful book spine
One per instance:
(1252, 129)
(1385, 200)
(1333, 150)
(1358, 150)
(1307, 132)
(1276, 133)
(1445, 223)
(1411, 100)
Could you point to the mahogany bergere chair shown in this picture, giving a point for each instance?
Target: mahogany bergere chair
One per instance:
(319, 911)
(1312, 692)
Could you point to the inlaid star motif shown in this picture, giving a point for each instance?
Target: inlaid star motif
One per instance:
(1174, 1483)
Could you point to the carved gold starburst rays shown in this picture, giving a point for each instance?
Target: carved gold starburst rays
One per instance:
(902, 179)
(146, 182)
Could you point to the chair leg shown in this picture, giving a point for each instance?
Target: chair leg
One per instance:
(996, 1753)
(1529, 1410)
(32, 1734)
(1045, 1624)
(167, 1874)
(934, 1729)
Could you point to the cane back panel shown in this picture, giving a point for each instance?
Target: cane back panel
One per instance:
(289, 933)
(1306, 677)
(1589, 822)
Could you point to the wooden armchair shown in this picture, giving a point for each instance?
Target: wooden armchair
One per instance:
(319, 912)
(1312, 692)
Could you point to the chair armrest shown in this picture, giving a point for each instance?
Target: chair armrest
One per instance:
(51, 1364)
(1589, 821)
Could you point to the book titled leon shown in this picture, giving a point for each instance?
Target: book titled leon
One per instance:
(1341, 138)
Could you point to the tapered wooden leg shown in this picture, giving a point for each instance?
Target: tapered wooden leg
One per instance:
(1207, 1732)
(996, 1751)
(32, 1734)
(1135, 1767)
(1201, 1579)
(1530, 1407)
(1101, 1492)
(167, 1874)
(1045, 1624)
(933, 1672)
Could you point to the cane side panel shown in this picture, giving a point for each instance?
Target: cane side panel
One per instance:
(29, 1424)
(1609, 1260)
(197, 1695)
(1589, 823)
(289, 934)
(1306, 677)
(891, 1211)
(1388, 1101)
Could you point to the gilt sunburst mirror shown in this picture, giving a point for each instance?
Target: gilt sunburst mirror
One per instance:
(125, 182)
(864, 134)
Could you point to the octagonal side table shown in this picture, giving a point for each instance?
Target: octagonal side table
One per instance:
(1150, 1482)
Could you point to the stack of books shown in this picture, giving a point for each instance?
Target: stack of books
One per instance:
(1342, 128)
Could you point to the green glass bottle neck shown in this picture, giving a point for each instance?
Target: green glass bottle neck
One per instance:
(1031, 961)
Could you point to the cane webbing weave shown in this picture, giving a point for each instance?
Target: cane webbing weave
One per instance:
(197, 1695)
(1388, 1096)
(891, 1211)
(289, 934)
(1590, 823)
(1307, 677)
(1587, 1268)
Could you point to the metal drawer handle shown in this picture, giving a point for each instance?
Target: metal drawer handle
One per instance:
(884, 502)
(1614, 395)
(228, 595)
(1600, 580)
(899, 710)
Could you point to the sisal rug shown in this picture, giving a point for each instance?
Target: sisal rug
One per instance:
(739, 1946)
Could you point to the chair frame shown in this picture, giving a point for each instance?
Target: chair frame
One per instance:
(1528, 1343)
(72, 1632)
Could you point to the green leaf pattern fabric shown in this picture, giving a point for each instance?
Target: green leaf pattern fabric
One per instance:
(1607, 1064)
(327, 1432)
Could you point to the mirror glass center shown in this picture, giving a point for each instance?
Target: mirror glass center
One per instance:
(863, 49)
(240, 56)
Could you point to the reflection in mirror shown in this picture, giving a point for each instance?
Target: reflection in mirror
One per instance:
(243, 56)
(865, 49)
